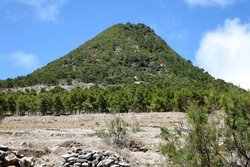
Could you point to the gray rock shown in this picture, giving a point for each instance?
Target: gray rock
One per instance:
(77, 164)
(66, 164)
(106, 153)
(95, 162)
(114, 165)
(113, 158)
(24, 144)
(81, 160)
(97, 156)
(11, 159)
(74, 155)
(72, 159)
(81, 156)
(66, 156)
(88, 156)
(85, 164)
(26, 162)
(4, 148)
(105, 163)
(78, 150)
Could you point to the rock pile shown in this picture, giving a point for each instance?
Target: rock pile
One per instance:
(12, 158)
(89, 158)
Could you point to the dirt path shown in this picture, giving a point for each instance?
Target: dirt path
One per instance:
(49, 137)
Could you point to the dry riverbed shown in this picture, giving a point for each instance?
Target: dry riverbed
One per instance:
(47, 138)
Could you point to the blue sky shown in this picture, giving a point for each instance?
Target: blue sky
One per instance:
(213, 34)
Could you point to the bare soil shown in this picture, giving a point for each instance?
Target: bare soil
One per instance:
(47, 138)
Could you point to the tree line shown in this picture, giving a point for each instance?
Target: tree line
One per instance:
(129, 98)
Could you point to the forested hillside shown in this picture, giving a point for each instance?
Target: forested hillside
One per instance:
(132, 68)
(122, 54)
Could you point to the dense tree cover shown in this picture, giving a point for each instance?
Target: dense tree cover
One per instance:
(122, 54)
(123, 98)
(212, 139)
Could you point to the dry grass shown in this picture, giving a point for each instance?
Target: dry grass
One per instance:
(51, 131)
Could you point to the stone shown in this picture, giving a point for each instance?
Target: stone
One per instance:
(106, 153)
(78, 150)
(97, 156)
(4, 148)
(66, 164)
(114, 165)
(77, 164)
(81, 156)
(26, 162)
(72, 159)
(74, 155)
(18, 154)
(81, 160)
(88, 156)
(85, 164)
(24, 144)
(95, 162)
(105, 163)
(11, 159)
(66, 156)
(113, 158)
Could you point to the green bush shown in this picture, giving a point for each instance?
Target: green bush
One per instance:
(209, 141)
(116, 134)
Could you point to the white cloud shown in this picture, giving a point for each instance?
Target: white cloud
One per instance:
(24, 60)
(45, 10)
(206, 3)
(225, 52)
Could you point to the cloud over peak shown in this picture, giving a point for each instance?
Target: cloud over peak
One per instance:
(225, 52)
(206, 3)
(45, 10)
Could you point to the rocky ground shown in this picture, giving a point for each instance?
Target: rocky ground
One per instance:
(48, 138)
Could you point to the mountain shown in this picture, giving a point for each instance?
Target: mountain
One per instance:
(122, 54)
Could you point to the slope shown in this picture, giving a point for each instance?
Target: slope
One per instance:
(122, 54)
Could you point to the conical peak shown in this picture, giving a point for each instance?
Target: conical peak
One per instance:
(132, 27)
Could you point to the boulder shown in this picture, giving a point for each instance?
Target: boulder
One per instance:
(11, 159)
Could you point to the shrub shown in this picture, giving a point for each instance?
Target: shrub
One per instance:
(116, 133)
(211, 142)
